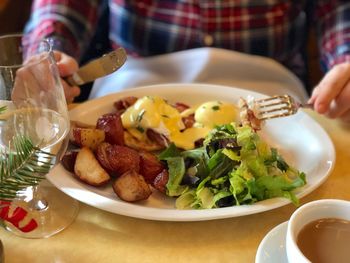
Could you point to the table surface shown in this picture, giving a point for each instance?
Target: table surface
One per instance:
(100, 236)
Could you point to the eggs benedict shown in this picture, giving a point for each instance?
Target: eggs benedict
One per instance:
(153, 112)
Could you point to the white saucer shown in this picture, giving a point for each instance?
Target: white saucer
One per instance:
(272, 248)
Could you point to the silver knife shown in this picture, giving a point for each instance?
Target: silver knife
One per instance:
(98, 68)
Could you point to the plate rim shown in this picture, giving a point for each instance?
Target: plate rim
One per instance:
(163, 214)
(280, 229)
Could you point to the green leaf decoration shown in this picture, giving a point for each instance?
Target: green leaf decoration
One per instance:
(2, 109)
(26, 165)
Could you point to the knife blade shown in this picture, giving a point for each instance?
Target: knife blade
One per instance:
(98, 68)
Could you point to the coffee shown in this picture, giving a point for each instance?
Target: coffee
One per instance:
(326, 241)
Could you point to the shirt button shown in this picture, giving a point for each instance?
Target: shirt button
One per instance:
(208, 40)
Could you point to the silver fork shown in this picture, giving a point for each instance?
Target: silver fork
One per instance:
(278, 106)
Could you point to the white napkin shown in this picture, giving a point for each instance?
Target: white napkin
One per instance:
(204, 65)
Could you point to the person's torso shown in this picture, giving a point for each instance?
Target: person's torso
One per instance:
(264, 27)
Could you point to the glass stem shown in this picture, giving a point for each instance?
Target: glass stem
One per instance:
(38, 202)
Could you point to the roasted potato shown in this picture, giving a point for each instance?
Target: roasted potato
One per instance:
(111, 124)
(150, 166)
(161, 180)
(131, 187)
(86, 137)
(88, 169)
(68, 160)
(118, 159)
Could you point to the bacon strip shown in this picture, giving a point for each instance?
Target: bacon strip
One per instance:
(124, 103)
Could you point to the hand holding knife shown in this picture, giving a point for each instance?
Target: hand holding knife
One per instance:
(98, 68)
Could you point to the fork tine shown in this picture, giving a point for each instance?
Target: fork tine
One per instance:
(275, 110)
(273, 104)
(275, 97)
(276, 106)
(285, 114)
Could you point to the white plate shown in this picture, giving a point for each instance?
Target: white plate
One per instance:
(272, 248)
(299, 139)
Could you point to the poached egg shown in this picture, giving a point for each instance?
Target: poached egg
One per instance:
(153, 112)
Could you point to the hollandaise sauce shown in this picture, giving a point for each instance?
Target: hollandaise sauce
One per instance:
(153, 112)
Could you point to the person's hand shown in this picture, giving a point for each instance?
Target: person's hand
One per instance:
(66, 67)
(331, 96)
(34, 79)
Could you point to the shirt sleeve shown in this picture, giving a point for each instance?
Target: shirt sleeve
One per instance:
(333, 28)
(68, 24)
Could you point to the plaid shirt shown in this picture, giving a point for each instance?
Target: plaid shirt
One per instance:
(275, 29)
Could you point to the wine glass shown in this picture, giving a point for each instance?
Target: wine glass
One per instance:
(33, 107)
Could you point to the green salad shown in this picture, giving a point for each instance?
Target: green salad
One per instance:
(233, 167)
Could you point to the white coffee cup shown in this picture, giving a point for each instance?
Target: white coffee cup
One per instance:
(320, 209)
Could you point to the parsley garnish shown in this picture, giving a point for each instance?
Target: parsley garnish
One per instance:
(140, 129)
(140, 115)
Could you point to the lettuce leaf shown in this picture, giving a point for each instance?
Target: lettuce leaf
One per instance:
(234, 167)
